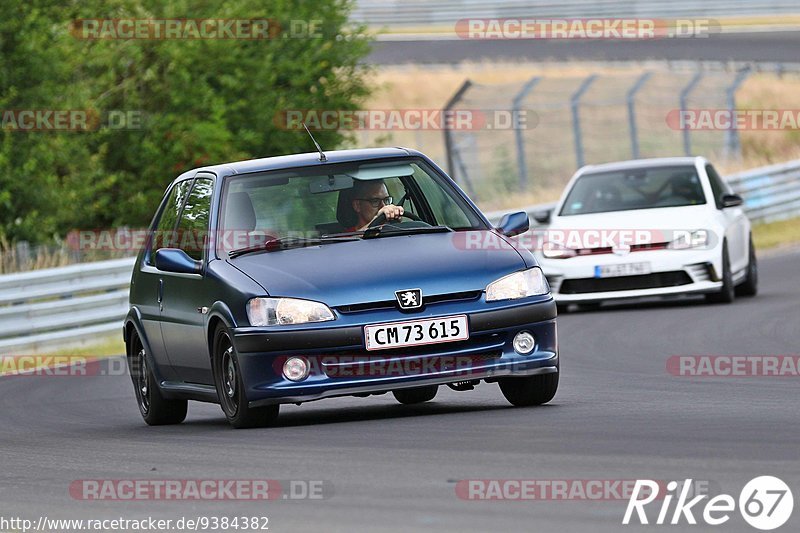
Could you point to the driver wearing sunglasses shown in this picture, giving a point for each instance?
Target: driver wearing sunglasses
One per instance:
(371, 199)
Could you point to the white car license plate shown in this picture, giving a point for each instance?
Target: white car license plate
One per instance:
(625, 269)
(416, 332)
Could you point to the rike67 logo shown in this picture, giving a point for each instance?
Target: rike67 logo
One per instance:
(765, 503)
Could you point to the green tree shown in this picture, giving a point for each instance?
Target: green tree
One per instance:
(202, 102)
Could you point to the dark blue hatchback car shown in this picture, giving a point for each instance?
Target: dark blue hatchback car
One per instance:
(358, 272)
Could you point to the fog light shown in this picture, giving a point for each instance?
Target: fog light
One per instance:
(524, 343)
(295, 368)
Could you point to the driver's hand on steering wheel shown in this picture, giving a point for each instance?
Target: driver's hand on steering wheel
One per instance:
(391, 211)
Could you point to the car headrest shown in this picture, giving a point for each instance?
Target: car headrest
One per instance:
(240, 214)
(682, 179)
(344, 209)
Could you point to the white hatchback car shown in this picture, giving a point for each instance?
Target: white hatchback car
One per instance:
(651, 227)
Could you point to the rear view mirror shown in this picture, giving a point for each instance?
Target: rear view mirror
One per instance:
(331, 183)
(176, 260)
(514, 223)
(731, 200)
(543, 217)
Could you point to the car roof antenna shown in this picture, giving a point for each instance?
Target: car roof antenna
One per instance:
(321, 153)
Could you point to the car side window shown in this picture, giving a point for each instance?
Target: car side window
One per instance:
(164, 234)
(193, 226)
(718, 186)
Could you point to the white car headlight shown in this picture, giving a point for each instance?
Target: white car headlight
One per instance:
(282, 311)
(517, 285)
(685, 240)
(552, 250)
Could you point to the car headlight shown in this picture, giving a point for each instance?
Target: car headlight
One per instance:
(517, 285)
(552, 250)
(282, 311)
(685, 240)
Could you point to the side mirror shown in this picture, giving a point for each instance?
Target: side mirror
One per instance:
(731, 200)
(543, 217)
(514, 223)
(176, 260)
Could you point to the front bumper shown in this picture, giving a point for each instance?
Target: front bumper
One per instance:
(674, 272)
(341, 366)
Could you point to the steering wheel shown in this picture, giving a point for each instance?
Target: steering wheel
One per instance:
(381, 219)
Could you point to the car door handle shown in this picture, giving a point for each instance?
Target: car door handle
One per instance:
(160, 290)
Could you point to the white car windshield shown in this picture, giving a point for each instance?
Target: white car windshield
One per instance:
(639, 188)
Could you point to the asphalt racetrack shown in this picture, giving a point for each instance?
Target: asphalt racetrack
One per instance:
(618, 415)
(771, 46)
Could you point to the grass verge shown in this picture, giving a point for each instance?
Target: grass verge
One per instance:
(777, 234)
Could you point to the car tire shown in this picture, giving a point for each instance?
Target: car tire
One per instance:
(154, 408)
(416, 395)
(727, 293)
(230, 387)
(531, 390)
(562, 309)
(750, 285)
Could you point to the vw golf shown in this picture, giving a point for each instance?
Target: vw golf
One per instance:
(301, 277)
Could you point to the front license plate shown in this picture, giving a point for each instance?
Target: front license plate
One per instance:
(625, 269)
(416, 332)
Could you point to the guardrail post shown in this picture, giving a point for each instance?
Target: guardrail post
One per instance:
(576, 119)
(687, 142)
(631, 99)
(732, 145)
(516, 108)
(448, 137)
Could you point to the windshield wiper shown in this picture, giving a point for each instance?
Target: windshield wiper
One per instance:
(389, 230)
(285, 243)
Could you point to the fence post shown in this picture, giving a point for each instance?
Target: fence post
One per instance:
(515, 108)
(687, 142)
(448, 138)
(732, 145)
(576, 120)
(631, 98)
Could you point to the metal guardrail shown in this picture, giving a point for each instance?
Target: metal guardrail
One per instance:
(43, 310)
(770, 193)
(418, 13)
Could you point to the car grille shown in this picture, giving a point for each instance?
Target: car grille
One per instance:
(426, 300)
(647, 247)
(625, 283)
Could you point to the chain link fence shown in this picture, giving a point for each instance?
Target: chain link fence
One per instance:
(571, 121)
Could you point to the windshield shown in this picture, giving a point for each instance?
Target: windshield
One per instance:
(307, 204)
(641, 188)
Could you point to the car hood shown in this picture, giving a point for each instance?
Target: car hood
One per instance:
(690, 217)
(371, 270)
